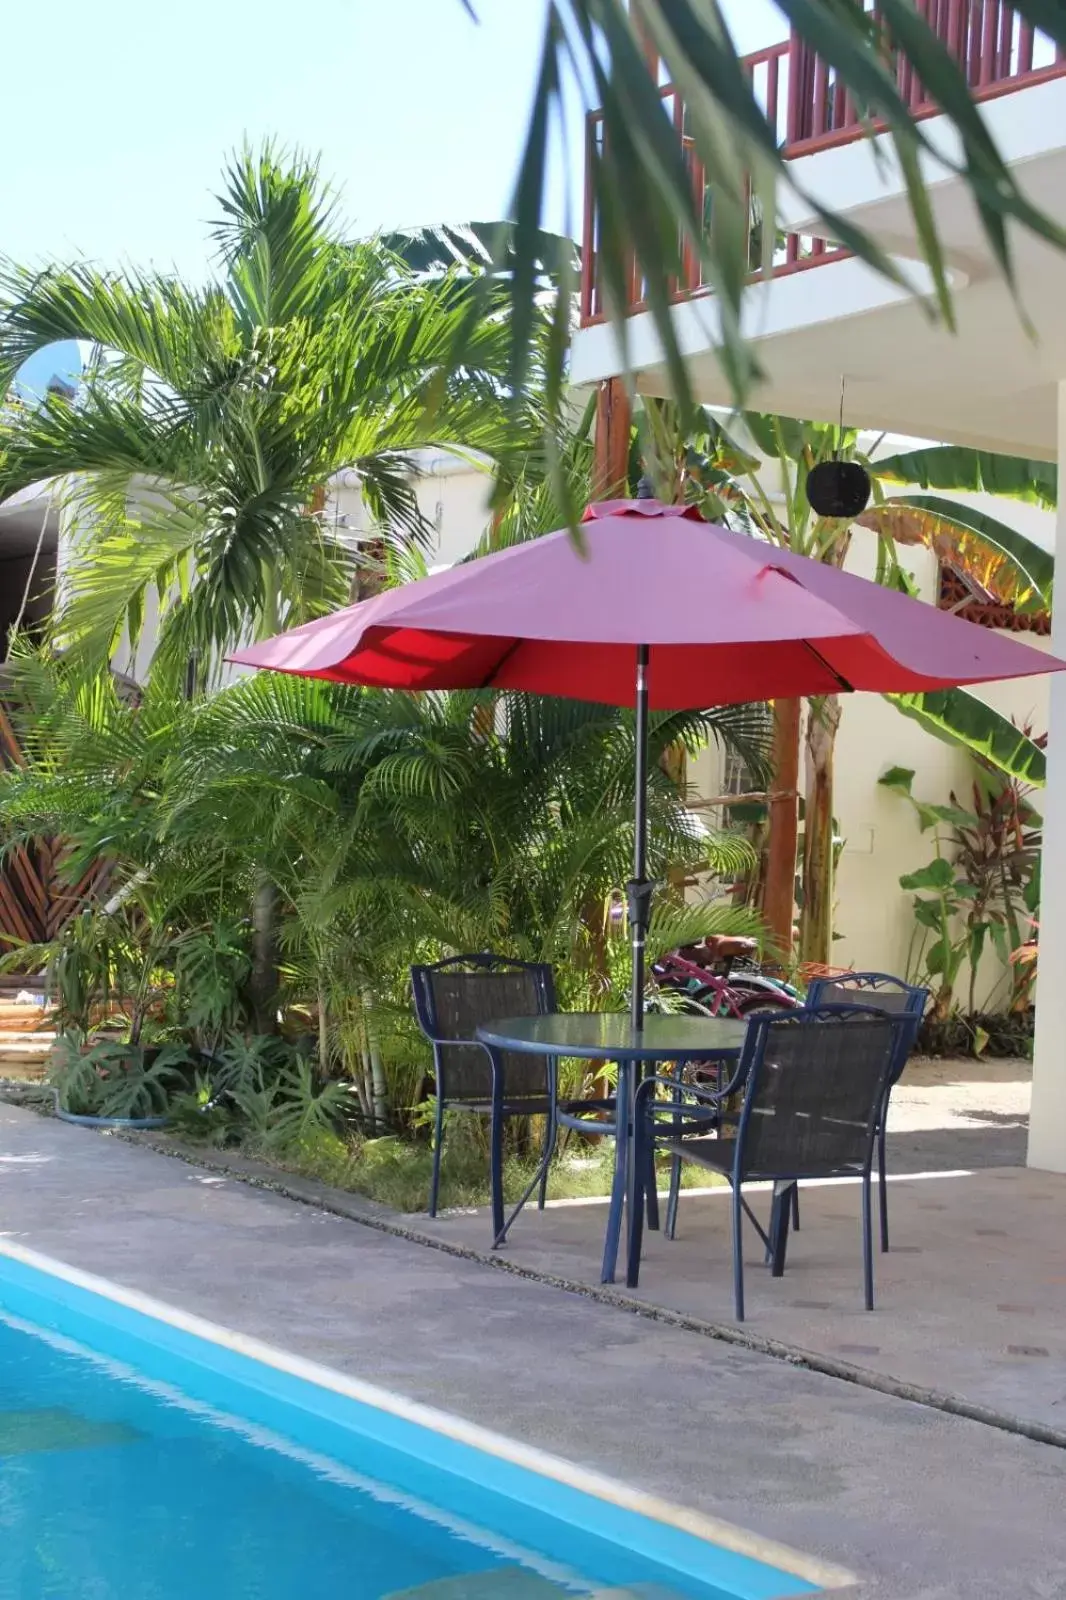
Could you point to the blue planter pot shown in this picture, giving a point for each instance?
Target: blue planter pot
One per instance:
(110, 1122)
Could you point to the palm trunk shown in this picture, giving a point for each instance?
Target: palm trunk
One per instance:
(816, 918)
(323, 1031)
(779, 888)
(264, 981)
(379, 1087)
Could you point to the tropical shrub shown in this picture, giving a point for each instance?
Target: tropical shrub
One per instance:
(979, 889)
(395, 828)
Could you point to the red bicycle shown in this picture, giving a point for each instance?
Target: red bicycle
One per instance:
(719, 977)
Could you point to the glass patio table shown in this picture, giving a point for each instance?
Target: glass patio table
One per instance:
(610, 1036)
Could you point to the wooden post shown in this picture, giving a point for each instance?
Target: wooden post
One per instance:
(816, 927)
(614, 416)
(779, 893)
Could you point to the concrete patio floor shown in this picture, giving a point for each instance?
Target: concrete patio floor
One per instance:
(970, 1300)
(921, 1505)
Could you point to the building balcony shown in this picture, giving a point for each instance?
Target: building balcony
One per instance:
(999, 52)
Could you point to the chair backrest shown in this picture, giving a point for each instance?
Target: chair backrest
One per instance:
(882, 992)
(815, 1082)
(877, 989)
(454, 998)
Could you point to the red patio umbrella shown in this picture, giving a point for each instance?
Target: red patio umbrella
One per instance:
(660, 609)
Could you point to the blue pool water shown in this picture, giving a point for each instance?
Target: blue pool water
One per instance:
(168, 1468)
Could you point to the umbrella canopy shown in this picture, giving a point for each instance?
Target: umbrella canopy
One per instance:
(727, 618)
(660, 609)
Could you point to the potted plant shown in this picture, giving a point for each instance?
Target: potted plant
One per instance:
(111, 1083)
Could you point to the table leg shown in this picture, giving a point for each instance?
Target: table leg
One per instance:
(780, 1215)
(647, 1178)
(622, 1182)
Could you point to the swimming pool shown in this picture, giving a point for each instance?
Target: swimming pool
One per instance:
(144, 1453)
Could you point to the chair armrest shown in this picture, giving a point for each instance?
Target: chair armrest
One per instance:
(476, 1044)
(707, 1097)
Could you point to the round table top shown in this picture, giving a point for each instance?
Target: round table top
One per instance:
(609, 1036)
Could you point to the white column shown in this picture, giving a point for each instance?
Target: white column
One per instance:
(1047, 1128)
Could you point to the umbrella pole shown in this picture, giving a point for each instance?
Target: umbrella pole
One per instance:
(638, 890)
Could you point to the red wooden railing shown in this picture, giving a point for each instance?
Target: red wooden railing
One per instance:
(809, 111)
(792, 252)
(997, 49)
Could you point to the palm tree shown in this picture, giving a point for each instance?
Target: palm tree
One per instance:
(197, 451)
(649, 220)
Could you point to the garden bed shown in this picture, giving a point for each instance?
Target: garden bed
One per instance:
(995, 1036)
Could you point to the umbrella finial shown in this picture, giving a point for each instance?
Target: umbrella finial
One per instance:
(645, 488)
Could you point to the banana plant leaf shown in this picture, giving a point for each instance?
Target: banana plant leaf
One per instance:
(1010, 567)
(974, 471)
(961, 719)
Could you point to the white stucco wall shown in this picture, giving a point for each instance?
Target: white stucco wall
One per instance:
(453, 493)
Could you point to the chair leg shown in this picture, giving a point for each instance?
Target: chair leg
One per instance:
(614, 1223)
(635, 1217)
(496, 1172)
(738, 1255)
(674, 1197)
(882, 1185)
(550, 1136)
(622, 1157)
(867, 1245)
(778, 1246)
(793, 1201)
(651, 1188)
(438, 1140)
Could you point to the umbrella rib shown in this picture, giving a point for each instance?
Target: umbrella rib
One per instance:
(487, 682)
(848, 688)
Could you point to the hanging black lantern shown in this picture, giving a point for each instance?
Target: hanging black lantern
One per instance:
(838, 488)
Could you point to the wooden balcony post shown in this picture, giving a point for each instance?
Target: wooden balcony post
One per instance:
(779, 888)
(614, 416)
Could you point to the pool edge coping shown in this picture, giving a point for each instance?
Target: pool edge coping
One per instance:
(530, 1458)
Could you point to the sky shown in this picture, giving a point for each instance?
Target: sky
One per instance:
(120, 114)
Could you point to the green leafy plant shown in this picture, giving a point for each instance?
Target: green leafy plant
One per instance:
(979, 888)
(74, 1077)
(140, 1083)
(305, 1107)
(999, 852)
(212, 965)
(80, 972)
(247, 1064)
(200, 1117)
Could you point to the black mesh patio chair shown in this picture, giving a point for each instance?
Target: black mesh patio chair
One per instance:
(728, 1110)
(452, 1000)
(884, 993)
(814, 1083)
